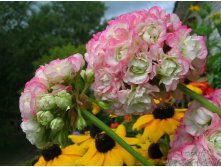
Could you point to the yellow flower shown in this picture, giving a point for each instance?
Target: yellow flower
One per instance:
(85, 139)
(194, 8)
(95, 109)
(105, 151)
(55, 156)
(164, 119)
(195, 89)
(151, 151)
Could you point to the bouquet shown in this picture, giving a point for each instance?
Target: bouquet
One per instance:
(128, 103)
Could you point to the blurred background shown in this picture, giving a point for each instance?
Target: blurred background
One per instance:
(34, 33)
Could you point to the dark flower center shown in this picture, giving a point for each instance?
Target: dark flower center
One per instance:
(163, 111)
(154, 151)
(104, 143)
(94, 131)
(51, 152)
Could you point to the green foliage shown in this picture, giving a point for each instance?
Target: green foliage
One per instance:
(34, 33)
(59, 52)
(214, 70)
(206, 24)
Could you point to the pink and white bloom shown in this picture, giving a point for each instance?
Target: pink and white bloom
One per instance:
(143, 47)
(197, 140)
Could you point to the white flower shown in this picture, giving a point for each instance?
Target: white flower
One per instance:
(138, 100)
(35, 133)
(138, 70)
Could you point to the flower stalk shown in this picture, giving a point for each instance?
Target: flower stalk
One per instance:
(113, 135)
(200, 99)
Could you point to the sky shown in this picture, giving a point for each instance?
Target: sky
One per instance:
(116, 8)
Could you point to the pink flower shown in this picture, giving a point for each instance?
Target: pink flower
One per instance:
(27, 101)
(143, 47)
(61, 71)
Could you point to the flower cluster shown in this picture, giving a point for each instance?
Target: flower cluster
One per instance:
(198, 139)
(47, 98)
(142, 53)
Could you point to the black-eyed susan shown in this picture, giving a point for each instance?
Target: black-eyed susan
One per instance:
(85, 139)
(56, 156)
(151, 151)
(164, 119)
(105, 151)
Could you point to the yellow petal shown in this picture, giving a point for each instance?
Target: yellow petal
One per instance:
(77, 139)
(88, 155)
(87, 143)
(170, 125)
(115, 157)
(63, 160)
(178, 115)
(95, 108)
(49, 163)
(195, 89)
(73, 150)
(107, 160)
(131, 140)
(180, 109)
(41, 162)
(121, 131)
(128, 159)
(96, 160)
(142, 121)
(153, 131)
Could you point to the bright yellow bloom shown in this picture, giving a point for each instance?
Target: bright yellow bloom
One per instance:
(105, 151)
(195, 89)
(83, 139)
(194, 8)
(95, 109)
(164, 119)
(150, 151)
(55, 156)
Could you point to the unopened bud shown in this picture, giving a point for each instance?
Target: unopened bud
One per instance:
(63, 100)
(46, 102)
(44, 117)
(56, 124)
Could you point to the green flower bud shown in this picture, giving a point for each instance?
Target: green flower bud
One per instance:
(44, 117)
(56, 124)
(46, 102)
(63, 100)
(80, 123)
(87, 75)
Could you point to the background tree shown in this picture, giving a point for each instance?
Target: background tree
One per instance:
(32, 33)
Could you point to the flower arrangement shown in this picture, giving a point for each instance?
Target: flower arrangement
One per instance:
(133, 81)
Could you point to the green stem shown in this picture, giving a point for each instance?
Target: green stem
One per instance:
(200, 99)
(114, 136)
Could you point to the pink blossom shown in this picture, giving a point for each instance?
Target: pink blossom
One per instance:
(143, 47)
(27, 101)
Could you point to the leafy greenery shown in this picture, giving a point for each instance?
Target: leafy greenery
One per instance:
(205, 23)
(33, 33)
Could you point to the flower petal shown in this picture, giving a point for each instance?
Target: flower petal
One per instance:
(142, 121)
(73, 150)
